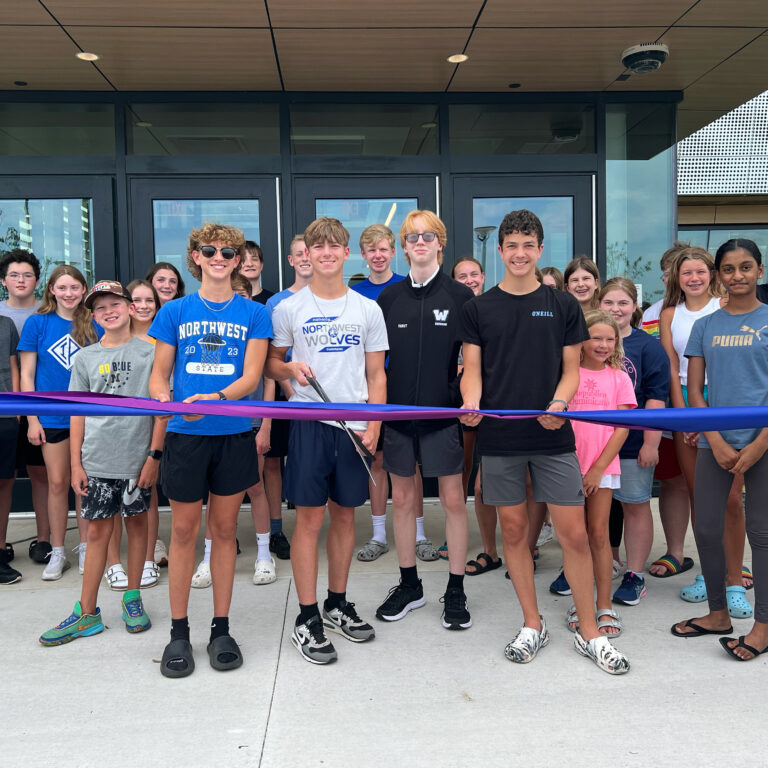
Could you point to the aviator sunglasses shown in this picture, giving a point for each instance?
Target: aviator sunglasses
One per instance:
(209, 252)
(413, 237)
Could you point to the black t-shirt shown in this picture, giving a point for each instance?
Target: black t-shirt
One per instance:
(522, 340)
(264, 296)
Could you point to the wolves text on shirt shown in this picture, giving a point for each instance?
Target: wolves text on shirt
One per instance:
(322, 332)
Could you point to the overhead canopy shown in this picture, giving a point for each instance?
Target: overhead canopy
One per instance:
(718, 48)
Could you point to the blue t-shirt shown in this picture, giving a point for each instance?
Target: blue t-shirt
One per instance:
(735, 351)
(647, 365)
(50, 336)
(372, 290)
(210, 340)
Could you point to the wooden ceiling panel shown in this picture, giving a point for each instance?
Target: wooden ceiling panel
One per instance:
(51, 65)
(162, 13)
(716, 13)
(24, 12)
(549, 60)
(365, 14)
(692, 52)
(184, 59)
(384, 60)
(587, 13)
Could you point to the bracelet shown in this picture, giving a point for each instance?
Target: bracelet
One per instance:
(221, 395)
(558, 400)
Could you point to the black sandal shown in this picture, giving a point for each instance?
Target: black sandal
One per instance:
(740, 644)
(179, 651)
(490, 565)
(224, 646)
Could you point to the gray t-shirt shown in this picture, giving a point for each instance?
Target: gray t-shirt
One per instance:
(19, 316)
(332, 337)
(115, 446)
(9, 338)
(735, 351)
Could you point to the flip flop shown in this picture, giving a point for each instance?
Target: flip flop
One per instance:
(225, 645)
(699, 630)
(732, 651)
(491, 565)
(672, 565)
(177, 650)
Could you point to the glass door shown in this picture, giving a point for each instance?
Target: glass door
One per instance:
(165, 211)
(359, 202)
(563, 203)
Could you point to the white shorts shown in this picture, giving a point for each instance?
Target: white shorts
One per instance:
(610, 481)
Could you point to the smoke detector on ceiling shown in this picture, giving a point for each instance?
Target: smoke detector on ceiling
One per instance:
(644, 58)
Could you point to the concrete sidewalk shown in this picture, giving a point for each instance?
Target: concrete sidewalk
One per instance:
(417, 695)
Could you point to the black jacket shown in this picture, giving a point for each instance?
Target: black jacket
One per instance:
(424, 332)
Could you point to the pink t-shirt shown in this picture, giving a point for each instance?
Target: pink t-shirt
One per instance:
(599, 391)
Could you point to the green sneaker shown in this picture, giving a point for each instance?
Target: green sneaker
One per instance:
(136, 620)
(76, 625)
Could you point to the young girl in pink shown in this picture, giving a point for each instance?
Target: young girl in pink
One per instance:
(604, 385)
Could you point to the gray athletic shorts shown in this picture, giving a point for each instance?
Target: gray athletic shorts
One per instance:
(440, 453)
(108, 497)
(555, 479)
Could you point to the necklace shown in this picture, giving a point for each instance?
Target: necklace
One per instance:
(324, 317)
(220, 309)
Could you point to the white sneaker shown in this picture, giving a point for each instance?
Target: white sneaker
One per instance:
(161, 554)
(57, 564)
(546, 535)
(202, 576)
(150, 575)
(600, 650)
(81, 547)
(265, 571)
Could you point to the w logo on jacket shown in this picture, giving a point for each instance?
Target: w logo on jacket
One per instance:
(441, 315)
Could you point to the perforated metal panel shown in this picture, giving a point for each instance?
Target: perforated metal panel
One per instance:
(728, 156)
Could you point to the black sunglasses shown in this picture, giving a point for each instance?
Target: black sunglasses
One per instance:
(209, 252)
(413, 237)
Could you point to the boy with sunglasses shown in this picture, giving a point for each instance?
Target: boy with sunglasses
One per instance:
(214, 343)
(423, 317)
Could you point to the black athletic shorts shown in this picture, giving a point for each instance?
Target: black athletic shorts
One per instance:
(9, 428)
(27, 455)
(194, 465)
(439, 453)
(55, 435)
(278, 439)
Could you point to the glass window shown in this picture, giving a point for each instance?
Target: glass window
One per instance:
(698, 237)
(556, 214)
(522, 129)
(174, 219)
(359, 213)
(641, 198)
(713, 238)
(203, 129)
(56, 231)
(57, 129)
(364, 129)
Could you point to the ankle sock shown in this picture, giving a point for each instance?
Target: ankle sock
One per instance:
(276, 525)
(456, 581)
(379, 528)
(639, 575)
(335, 599)
(306, 612)
(180, 629)
(409, 576)
(219, 627)
(420, 528)
(207, 552)
(262, 540)
(58, 551)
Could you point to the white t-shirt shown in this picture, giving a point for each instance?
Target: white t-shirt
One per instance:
(332, 337)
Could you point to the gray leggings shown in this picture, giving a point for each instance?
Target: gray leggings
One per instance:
(711, 488)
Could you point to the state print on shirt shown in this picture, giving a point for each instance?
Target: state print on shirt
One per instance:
(325, 335)
(63, 351)
(205, 341)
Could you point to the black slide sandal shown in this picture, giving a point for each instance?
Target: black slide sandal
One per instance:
(221, 645)
(177, 650)
(490, 565)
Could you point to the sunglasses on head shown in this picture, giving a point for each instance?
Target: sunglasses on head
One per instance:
(209, 252)
(413, 237)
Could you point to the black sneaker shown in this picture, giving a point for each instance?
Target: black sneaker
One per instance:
(400, 600)
(455, 613)
(39, 551)
(280, 545)
(9, 551)
(8, 575)
(310, 641)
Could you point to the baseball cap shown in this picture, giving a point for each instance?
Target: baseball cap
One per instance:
(104, 287)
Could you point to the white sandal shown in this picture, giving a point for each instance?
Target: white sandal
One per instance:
(572, 619)
(150, 575)
(202, 576)
(265, 571)
(116, 577)
(614, 622)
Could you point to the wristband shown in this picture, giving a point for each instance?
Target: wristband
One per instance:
(221, 395)
(558, 400)
(156, 454)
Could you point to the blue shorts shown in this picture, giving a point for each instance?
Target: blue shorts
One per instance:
(685, 394)
(636, 483)
(323, 464)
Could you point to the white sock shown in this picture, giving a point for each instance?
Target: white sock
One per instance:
(639, 575)
(59, 551)
(262, 539)
(379, 528)
(207, 553)
(420, 528)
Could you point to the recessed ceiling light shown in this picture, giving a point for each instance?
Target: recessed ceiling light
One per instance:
(143, 124)
(514, 85)
(20, 83)
(429, 125)
(458, 58)
(85, 56)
